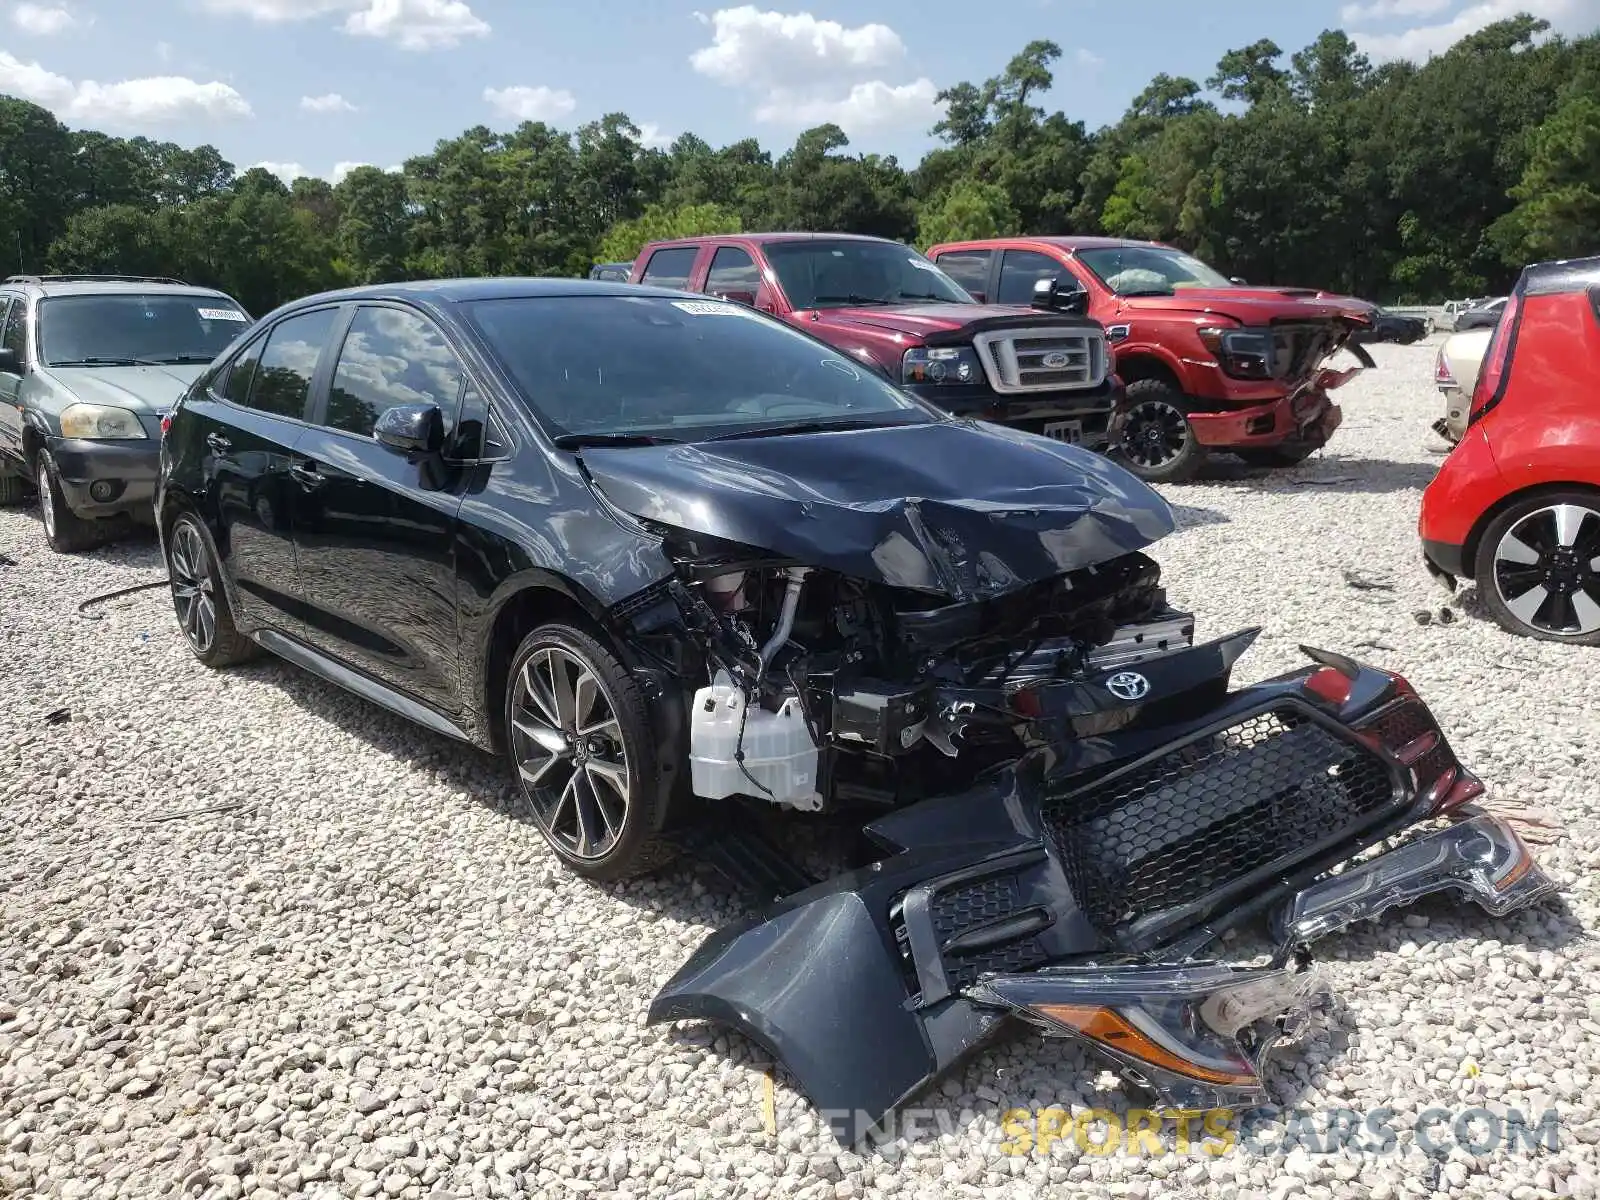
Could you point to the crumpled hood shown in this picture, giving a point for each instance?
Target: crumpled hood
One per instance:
(1256, 306)
(147, 389)
(955, 508)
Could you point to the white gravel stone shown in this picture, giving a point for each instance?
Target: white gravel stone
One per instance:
(368, 979)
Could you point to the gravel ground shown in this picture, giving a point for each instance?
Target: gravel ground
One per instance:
(369, 978)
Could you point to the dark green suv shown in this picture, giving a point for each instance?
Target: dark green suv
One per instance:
(88, 367)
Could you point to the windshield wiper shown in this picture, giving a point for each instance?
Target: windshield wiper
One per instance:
(817, 426)
(577, 441)
(928, 296)
(1150, 292)
(850, 299)
(108, 362)
(188, 358)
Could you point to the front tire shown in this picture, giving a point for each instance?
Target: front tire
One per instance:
(199, 598)
(1157, 443)
(580, 743)
(1538, 567)
(64, 530)
(1290, 455)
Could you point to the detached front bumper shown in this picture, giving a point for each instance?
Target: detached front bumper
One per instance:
(104, 479)
(1031, 896)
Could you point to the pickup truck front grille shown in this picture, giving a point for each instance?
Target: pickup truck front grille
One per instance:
(1043, 359)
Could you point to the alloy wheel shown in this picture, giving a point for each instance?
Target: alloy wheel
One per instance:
(1155, 433)
(192, 591)
(47, 502)
(567, 743)
(1547, 570)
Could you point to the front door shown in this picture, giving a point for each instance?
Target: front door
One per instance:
(374, 534)
(13, 336)
(249, 434)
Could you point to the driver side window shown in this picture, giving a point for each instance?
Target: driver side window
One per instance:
(1020, 271)
(15, 334)
(391, 357)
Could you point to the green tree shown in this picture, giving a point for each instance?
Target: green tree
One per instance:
(971, 209)
(624, 240)
(1558, 198)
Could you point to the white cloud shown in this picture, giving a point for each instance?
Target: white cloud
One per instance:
(417, 24)
(867, 106)
(1419, 41)
(651, 137)
(531, 103)
(1087, 58)
(288, 172)
(411, 24)
(42, 20)
(803, 70)
(331, 103)
(341, 169)
(131, 102)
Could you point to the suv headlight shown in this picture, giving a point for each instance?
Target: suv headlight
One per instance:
(1242, 353)
(941, 364)
(100, 422)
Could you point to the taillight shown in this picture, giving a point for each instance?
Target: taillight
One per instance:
(1496, 359)
(166, 422)
(1442, 375)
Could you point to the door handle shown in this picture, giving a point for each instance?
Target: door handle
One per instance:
(218, 443)
(306, 474)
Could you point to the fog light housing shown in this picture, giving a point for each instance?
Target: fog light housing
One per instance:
(103, 490)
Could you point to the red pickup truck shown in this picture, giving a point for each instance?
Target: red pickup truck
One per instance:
(1209, 363)
(1046, 371)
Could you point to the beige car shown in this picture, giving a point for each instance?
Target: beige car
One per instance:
(1455, 372)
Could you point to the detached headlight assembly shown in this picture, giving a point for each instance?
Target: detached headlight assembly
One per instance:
(100, 422)
(1242, 353)
(941, 364)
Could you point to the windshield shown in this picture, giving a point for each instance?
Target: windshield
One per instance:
(133, 328)
(683, 370)
(836, 274)
(1129, 270)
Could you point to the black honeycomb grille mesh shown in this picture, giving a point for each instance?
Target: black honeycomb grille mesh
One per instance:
(1400, 724)
(1256, 795)
(964, 908)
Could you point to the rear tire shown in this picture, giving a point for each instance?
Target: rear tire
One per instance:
(580, 745)
(1533, 567)
(200, 599)
(64, 530)
(1157, 443)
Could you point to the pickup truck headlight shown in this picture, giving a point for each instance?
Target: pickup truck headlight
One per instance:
(1242, 353)
(100, 422)
(941, 364)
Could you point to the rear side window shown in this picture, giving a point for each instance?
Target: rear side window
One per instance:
(969, 268)
(15, 334)
(732, 270)
(288, 361)
(1020, 270)
(670, 268)
(391, 357)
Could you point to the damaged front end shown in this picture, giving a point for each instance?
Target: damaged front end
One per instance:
(955, 627)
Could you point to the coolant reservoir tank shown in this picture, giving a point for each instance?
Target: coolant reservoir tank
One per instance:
(779, 754)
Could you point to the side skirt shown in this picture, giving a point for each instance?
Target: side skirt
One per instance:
(340, 675)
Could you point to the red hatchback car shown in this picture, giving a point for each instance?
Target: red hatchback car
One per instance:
(1516, 506)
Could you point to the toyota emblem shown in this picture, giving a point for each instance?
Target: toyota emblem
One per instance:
(1055, 360)
(1128, 685)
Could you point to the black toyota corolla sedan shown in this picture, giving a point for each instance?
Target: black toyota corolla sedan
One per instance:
(668, 555)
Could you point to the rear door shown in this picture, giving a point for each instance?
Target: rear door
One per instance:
(13, 336)
(250, 424)
(671, 267)
(374, 534)
(969, 268)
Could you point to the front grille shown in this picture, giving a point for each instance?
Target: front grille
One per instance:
(1042, 359)
(961, 909)
(1255, 797)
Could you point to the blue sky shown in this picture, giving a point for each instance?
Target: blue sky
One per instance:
(317, 85)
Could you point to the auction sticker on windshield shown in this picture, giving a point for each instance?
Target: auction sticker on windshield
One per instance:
(221, 314)
(710, 308)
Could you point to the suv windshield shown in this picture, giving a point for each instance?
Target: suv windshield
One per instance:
(1129, 270)
(836, 274)
(135, 328)
(681, 370)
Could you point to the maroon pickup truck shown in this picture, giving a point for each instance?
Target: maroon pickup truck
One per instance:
(1046, 370)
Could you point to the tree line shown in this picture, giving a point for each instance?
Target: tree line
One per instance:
(1398, 181)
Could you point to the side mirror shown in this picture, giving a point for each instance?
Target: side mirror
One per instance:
(1236, 281)
(748, 298)
(980, 297)
(10, 364)
(415, 431)
(1063, 294)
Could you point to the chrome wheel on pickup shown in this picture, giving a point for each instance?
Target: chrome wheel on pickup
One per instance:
(1157, 442)
(1538, 568)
